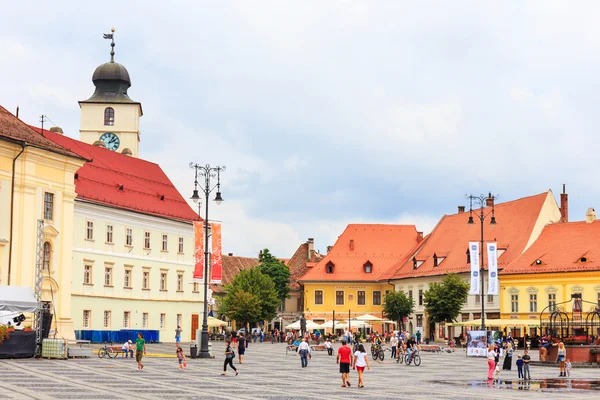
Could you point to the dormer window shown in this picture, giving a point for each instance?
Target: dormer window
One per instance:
(500, 252)
(109, 116)
(368, 267)
(417, 263)
(329, 268)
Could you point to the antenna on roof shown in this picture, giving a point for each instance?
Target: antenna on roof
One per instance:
(42, 120)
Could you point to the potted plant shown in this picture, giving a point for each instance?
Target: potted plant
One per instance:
(10, 328)
(27, 328)
(3, 333)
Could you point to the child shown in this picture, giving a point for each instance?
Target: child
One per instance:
(181, 358)
(520, 366)
(568, 365)
(526, 360)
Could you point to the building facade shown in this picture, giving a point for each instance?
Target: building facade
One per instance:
(37, 183)
(445, 250)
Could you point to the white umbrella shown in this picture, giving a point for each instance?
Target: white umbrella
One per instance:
(389, 322)
(309, 325)
(368, 317)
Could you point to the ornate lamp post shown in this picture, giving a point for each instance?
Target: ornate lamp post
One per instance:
(483, 201)
(207, 172)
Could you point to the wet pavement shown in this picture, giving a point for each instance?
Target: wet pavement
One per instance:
(562, 385)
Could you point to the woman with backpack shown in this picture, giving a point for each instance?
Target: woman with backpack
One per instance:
(229, 355)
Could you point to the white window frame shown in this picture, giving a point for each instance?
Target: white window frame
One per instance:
(127, 274)
(146, 279)
(109, 233)
(89, 230)
(145, 320)
(126, 319)
(514, 303)
(180, 245)
(147, 240)
(48, 209)
(88, 273)
(163, 320)
(129, 237)
(165, 242)
(179, 319)
(106, 323)
(86, 322)
(163, 280)
(373, 297)
(180, 281)
(108, 275)
(322, 297)
(343, 297)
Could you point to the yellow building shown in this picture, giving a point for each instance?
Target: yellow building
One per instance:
(563, 261)
(37, 182)
(347, 280)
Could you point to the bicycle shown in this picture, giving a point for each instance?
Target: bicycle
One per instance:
(107, 351)
(415, 358)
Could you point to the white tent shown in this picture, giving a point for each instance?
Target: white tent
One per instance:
(309, 325)
(368, 317)
(17, 299)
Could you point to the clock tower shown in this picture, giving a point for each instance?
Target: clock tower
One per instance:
(110, 116)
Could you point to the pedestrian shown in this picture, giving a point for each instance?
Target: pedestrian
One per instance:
(328, 347)
(507, 365)
(526, 360)
(304, 353)
(418, 337)
(562, 354)
(241, 346)
(394, 343)
(491, 362)
(140, 350)
(360, 362)
(519, 366)
(344, 359)
(568, 366)
(178, 336)
(229, 356)
(126, 348)
(497, 350)
(181, 358)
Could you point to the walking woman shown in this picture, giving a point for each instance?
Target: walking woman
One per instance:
(562, 354)
(360, 362)
(491, 356)
(229, 355)
(508, 357)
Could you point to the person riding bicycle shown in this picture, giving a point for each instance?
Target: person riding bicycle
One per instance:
(411, 346)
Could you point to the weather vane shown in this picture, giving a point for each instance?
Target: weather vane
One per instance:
(111, 36)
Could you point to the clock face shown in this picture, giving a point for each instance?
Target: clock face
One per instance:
(111, 141)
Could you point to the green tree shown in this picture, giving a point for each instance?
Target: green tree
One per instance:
(277, 271)
(397, 306)
(250, 297)
(444, 300)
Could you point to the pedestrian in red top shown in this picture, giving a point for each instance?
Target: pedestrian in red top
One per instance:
(344, 358)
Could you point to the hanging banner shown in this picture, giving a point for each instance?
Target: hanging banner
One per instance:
(492, 254)
(198, 250)
(474, 254)
(217, 257)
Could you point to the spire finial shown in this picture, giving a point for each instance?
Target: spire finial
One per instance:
(112, 44)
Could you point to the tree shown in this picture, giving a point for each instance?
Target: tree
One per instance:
(250, 297)
(277, 271)
(444, 300)
(397, 306)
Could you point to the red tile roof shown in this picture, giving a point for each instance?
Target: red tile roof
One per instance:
(300, 264)
(560, 248)
(381, 245)
(516, 220)
(124, 182)
(451, 236)
(12, 128)
(232, 265)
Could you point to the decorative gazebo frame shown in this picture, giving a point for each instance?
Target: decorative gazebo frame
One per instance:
(556, 321)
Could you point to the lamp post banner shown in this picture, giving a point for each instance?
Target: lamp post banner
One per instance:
(198, 250)
(217, 257)
(474, 253)
(492, 254)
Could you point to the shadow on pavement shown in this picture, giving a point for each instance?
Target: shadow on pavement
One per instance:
(537, 385)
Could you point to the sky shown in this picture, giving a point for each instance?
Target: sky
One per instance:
(331, 112)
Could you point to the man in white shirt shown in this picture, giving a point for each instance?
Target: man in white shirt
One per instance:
(127, 349)
(394, 344)
(328, 347)
(304, 353)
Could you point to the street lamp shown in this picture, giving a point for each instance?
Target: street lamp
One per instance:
(207, 172)
(484, 201)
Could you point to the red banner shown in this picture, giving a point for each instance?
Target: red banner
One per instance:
(217, 257)
(198, 250)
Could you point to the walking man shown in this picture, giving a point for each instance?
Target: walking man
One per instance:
(140, 350)
(344, 359)
(241, 344)
(304, 353)
(394, 343)
(178, 336)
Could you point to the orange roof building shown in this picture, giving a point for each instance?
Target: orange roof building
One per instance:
(564, 260)
(348, 280)
(519, 223)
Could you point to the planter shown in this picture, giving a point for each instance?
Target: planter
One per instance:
(582, 353)
(27, 329)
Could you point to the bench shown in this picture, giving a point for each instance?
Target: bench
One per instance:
(319, 347)
(433, 348)
(118, 350)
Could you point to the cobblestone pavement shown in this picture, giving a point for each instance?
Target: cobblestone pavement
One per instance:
(268, 373)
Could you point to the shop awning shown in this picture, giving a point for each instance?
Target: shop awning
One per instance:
(17, 299)
(499, 322)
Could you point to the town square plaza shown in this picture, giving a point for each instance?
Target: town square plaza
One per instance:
(268, 373)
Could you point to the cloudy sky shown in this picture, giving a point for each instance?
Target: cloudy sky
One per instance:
(331, 112)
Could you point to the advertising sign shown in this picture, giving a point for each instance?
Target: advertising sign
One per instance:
(477, 343)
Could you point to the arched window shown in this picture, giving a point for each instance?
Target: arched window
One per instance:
(109, 116)
(46, 258)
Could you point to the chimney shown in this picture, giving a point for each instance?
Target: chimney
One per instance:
(230, 254)
(461, 209)
(564, 205)
(351, 244)
(17, 115)
(329, 249)
(311, 247)
(56, 129)
(590, 215)
(419, 237)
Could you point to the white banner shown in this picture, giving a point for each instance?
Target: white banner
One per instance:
(474, 252)
(492, 254)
